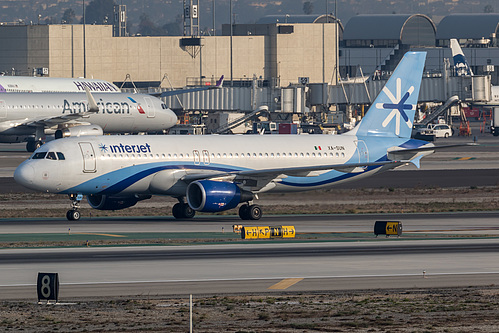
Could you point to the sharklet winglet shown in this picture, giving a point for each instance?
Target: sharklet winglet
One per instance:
(92, 104)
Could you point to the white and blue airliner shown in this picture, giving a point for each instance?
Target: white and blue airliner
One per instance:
(215, 173)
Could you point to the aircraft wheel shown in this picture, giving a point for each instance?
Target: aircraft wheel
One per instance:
(183, 211)
(255, 212)
(188, 212)
(177, 210)
(73, 215)
(31, 146)
(244, 212)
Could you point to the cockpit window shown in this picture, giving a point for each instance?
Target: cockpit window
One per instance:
(39, 156)
(60, 156)
(51, 156)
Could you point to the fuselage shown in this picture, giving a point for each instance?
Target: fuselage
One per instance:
(21, 113)
(24, 84)
(156, 164)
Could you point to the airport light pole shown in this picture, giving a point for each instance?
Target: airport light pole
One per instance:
(231, 32)
(84, 45)
(214, 27)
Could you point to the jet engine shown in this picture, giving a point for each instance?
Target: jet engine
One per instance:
(215, 196)
(82, 130)
(104, 202)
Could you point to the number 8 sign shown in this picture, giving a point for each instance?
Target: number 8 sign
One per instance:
(48, 286)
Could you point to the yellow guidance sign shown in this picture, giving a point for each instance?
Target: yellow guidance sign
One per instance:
(388, 228)
(268, 232)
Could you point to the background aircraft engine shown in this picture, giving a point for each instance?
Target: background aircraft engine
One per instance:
(214, 196)
(104, 202)
(82, 130)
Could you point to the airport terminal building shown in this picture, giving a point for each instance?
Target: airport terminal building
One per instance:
(277, 53)
(292, 64)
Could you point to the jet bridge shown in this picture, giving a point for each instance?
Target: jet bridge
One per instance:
(433, 89)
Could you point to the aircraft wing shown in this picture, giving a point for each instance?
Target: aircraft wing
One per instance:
(184, 91)
(257, 179)
(51, 121)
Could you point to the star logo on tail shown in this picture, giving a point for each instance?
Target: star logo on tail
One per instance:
(397, 106)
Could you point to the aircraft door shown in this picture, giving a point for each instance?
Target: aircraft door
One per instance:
(89, 160)
(196, 157)
(362, 151)
(151, 112)
(206, 157)
(3, 110)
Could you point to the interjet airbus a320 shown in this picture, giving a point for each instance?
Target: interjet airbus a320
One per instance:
(215, 173)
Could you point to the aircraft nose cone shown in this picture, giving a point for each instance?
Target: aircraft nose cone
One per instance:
(24, 175)
(171, 118)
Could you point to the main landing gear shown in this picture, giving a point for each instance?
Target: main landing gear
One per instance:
(73, 214)
(250, 212)
(182, 210)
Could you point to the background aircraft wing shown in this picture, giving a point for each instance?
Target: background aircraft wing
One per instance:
(51, 121)
(60, 119)
(183, 91)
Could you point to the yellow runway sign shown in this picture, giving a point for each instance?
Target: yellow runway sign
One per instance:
(268, 232)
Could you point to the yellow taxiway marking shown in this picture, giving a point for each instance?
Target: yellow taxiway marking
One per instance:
(465, 158)
(285, 284)
(96, 234)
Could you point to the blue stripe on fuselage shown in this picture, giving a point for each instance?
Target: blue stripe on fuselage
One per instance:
(120, 180)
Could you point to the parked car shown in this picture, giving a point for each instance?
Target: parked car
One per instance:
(416, 129)
(436, 130)
(442, 130)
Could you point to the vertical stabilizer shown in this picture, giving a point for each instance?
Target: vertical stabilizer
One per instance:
(392, 113)
(460, 64)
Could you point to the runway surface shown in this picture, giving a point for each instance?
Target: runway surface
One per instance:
(462, 251)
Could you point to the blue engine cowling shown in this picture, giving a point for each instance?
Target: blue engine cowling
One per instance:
(213, 196)
(104, 202)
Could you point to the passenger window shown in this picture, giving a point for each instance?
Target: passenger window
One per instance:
(51, 156)
(61, 156)
(39, 156)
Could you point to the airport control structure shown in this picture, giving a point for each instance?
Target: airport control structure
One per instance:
(309, 70)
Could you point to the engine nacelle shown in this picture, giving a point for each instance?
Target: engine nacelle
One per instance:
(104, 202)
(82, 130)
(213, 196)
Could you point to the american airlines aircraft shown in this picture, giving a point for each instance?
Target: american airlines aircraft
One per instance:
(30, 116)
(215, 173)
(54, 84)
